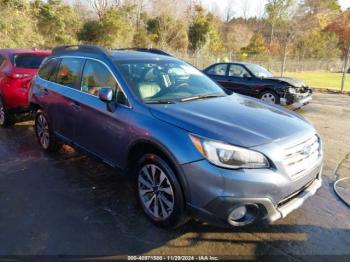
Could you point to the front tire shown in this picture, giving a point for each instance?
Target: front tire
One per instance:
(270, 97)
(159, 192)
(44, 133)
(6, 119)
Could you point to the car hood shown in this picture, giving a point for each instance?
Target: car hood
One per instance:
(234, 119)
(289, 80)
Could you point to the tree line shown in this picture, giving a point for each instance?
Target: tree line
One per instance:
(316, 29)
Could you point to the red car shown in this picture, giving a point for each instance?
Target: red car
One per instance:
(17, 68)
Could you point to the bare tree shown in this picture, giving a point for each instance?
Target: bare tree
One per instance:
(277, 13)
(100, 6)
(229, 11)
(245, 8)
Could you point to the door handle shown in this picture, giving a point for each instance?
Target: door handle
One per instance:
(75, 106)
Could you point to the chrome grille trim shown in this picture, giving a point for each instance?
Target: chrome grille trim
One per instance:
(301, 156)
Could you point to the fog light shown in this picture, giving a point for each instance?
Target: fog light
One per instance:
(238, 213)
(243, 215)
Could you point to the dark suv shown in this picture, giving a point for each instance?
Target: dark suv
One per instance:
(191, 148)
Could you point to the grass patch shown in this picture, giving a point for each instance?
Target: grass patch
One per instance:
(322, 79)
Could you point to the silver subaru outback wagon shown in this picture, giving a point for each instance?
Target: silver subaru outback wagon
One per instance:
(192, 149)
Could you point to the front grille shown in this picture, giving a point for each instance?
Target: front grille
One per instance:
(301, 156)
(295, 194)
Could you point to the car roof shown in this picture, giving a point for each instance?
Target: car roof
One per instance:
(10, 51)
(233, 62)
(134, 55)
(97, 52)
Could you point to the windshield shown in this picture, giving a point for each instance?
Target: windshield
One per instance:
(30, 61)
(167, 81)
(259, 71)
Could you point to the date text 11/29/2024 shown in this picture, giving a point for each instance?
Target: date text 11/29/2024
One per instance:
(173, 258)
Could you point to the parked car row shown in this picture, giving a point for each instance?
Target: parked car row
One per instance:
(191, 149)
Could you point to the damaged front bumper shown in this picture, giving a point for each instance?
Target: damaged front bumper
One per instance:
(298, 100)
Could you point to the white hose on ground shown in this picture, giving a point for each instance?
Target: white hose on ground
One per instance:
(336, 190)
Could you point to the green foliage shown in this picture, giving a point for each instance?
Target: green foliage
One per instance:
(203, 31)
(199, 30)
(141, 39)
(115, 30)
(278, 11)
(56, 22)
(165, 31)
(90, 32)
(16, 4)
(316, 30)
(112, 30)
(256, 47)
(320, 45)
(17, 29)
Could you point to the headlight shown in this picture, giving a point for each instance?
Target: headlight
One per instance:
(229, 156)
(292, 90)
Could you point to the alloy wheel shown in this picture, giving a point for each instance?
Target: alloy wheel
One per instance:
(42, 129)
(269, 98)
(156, 192)
(2, 113)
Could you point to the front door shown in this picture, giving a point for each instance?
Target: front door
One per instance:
(241, 81)
(98, 130)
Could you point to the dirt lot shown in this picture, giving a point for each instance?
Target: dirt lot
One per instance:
(68, 204)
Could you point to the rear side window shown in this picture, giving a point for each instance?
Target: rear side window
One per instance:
(30, 61)
(47, 69)
(218, 70)
(69, 72)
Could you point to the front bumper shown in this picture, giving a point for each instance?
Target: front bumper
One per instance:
(213, 197)
(274, 213)
(296, 101)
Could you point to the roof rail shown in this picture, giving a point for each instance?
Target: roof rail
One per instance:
(82, 48)
(148, 50)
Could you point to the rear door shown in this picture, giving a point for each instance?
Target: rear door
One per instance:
(66, 97)
(218, 73)
(44, 91)
(98, 130)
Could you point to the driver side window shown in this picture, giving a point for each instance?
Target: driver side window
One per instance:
(96, 75)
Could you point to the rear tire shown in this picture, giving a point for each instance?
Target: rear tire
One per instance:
(6, 119)
(44, 133)
(159, 192)
(270, 97)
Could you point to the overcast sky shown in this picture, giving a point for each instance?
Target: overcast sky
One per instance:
(252, 7)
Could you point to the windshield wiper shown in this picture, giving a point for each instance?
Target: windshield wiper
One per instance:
(199, 97)
(160, 102)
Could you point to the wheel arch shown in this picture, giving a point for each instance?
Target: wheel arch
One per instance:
(144, 146)
(267, 88)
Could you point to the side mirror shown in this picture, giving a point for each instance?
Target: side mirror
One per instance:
(246, 75)
(105, 94)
